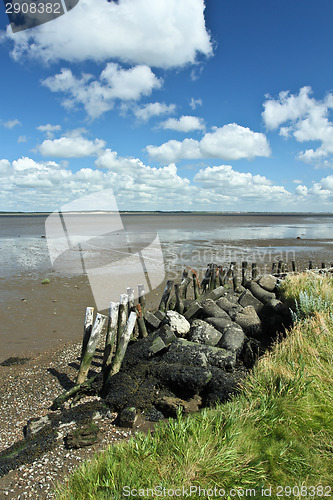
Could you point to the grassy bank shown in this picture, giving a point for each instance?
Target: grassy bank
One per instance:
(276, 434)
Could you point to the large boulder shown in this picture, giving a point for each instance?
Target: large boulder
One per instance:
(247, 299)
(178, 324)
(220, 323)
(211, 309)
(231, 308)
(268, 282)
(233, 339)
(250, 322)
(203, 333)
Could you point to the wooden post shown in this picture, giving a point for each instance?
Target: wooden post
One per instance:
(111, 334)
(212, 281)
(122, 345)
(195, 287)
(293, 265)
(142, 297)
(274, 268)
(130, 293)
(91, 347)
(310, 264)
(179, 299)
(279, 269)
(165, 296)
(88, 322)
(255, 271)
(323, 265)
(122, 316)
(223, 275)
(234, 276)
(141, 322)
(205, 281)
(244, 273)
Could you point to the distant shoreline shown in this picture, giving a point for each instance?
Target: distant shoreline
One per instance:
(183, 213)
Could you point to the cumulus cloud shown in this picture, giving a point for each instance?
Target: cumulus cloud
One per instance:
(146, 112)
(12, 123)
(183, 124)
(153, 32)
(98, 96)
(239, 186)
(230, 142)
(71, 147)
(305, 119)
(49, 129)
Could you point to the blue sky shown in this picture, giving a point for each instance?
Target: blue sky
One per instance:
(175, 105)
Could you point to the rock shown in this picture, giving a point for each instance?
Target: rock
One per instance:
(247, 299)
(250, 322)
(251, 351)
(193, 311)
(86, 435)
(181, 379)
(268, 282)
(34, 425)
(178, 324)
(160, 315)
(166, 334)
(219, 323)
(127, 417)
(216, 294)
(192, 353)
(170, 406)
(229, 307)
(151, 320)
(203, 333)
(259, 293)
(233, 339)
(154, 415)
(222, 386)
(211, 309)
(157, 346)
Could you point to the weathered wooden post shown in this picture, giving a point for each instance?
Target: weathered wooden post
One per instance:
(122, 345)
(274, 268)
(323, 265)
(111, 335)
(206, 280)
(141, 322)
(130, 293)
(255, 270)
(310, 264)
(88, 322)
(212, 281)
(91, 347)
(165, 297)
(223, 276)
(293, 265)
(122, 316)
(244, 273)
(179, 300)
(234, 276)
(142, 297)
(195, 287)
(279, 269)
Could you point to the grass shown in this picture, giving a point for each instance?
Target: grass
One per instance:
(276, 433)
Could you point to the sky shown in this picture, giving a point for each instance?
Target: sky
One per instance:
(195, 105)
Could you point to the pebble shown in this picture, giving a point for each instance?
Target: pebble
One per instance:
(26, 392)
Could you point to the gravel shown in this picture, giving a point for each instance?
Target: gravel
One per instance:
(27, 391)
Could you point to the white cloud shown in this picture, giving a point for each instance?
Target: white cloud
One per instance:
(195, 103)
(71, 147)
(12, 123)
(230, 142)
(22, 138)
(160, 33)
(301, 190)
(49, 129)
(307, 120)
(98, 96)
(184, 124)
(240, 186)
(144, 113)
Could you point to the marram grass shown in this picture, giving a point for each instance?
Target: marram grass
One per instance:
(276, 433)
